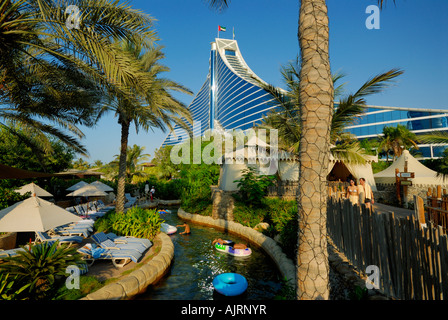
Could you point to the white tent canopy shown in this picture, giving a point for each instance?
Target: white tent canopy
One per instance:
(287, 165)
(34, 189)
(87, 191)
(34, 214)
(76, 186)
(423, 175)
(102, 186)
(358, 170)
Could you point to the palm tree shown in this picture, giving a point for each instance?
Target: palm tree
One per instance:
(43, 64)
(316, 98)
(397, 139)
(134, 156)
(286, 117)
(155, 108)
(80, 164)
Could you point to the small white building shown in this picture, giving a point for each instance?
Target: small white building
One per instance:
(285, 166)
(422, 174)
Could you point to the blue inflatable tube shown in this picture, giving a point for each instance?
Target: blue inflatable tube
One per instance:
(230, 284)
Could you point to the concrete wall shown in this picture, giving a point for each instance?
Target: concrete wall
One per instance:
(137, 281)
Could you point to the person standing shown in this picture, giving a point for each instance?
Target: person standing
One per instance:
(366, 193)
(152, 192)
(146, 190)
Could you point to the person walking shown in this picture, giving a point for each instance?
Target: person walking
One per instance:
(366, 194)
(352, 192)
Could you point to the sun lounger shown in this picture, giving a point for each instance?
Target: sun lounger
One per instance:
(44, 237)
(72, 232)
(77, 229)
(10, 252)
(119, 258)
(104, 242)
(124, 239)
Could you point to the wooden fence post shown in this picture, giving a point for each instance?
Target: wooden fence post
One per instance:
(419, 210)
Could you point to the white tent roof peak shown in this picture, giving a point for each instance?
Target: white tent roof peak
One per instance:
(423, 174)
(34, 189)
(34, 214)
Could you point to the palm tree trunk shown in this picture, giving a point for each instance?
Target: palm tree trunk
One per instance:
(119, 207)
(316, 98)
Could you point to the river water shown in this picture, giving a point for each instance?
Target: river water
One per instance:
(196, 263)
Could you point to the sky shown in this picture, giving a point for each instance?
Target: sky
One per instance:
(412, 36)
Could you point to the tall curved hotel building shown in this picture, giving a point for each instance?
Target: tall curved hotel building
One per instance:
(231, 98)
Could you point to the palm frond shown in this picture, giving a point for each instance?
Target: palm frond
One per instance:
(350, 152)
(435, 137)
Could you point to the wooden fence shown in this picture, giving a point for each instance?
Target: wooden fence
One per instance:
(284, 189)
(412, 259)
(436, 207)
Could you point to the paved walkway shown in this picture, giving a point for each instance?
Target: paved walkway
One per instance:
(399, 212)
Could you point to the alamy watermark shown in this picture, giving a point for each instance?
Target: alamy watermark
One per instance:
(72, 281)
(373, 277)
(373, 20)
(73, 21)
(229, 147)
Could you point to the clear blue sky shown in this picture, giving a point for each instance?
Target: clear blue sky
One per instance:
(413, 36)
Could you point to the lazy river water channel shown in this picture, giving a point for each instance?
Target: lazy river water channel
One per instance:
(196, 263)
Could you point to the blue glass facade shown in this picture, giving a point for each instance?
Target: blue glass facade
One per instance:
(230, 98)
(419, 121)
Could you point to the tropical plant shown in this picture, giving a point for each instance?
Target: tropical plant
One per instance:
(397, 139)
(252, 187)
(135, 222)
(9, 196)
(134, 157)
(80, 164)
(15, 152)
(437, 138)
(286, 117)
(43, 266)
(154, 108)
(196, 181)
(8, 290)
(164, 167)
(58, 74)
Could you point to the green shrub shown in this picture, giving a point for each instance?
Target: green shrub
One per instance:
(136, 222)
(196, 182)
(8, 196)
(10, 288)
(247, 215)
(281, 216)
(43, 268)
(87, 284)
(253, 187)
